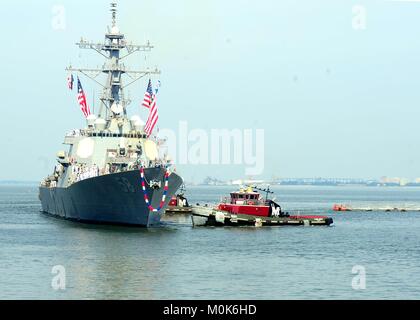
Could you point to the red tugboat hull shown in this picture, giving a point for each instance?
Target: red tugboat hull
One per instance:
(259, 211)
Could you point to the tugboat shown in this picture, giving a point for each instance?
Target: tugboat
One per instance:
(248, 207)
(179, 204)
(112, 172)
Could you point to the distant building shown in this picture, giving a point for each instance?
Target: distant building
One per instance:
(386, 181)
(209, 181)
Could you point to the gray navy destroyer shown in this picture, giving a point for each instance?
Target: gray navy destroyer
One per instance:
(113, 172)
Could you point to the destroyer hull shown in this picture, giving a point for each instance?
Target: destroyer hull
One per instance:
(111, 199)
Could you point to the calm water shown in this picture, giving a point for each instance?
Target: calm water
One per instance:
(176, 261)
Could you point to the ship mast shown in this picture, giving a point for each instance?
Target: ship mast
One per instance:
(114, 49)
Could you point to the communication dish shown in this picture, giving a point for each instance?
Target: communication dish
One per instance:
(115, 30)
(117, 108)
(100, 124)
(91, 120)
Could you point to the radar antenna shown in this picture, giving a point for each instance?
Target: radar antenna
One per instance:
(114, 13)
(267, 191)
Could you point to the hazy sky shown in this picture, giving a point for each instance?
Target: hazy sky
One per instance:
(334, 101)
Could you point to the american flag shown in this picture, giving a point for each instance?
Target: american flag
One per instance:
(153, 117)
(81, 98)
(70, 81)
(148, 96)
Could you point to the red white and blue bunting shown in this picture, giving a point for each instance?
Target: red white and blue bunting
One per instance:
(146, 197)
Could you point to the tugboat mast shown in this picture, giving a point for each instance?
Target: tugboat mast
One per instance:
(113, 98)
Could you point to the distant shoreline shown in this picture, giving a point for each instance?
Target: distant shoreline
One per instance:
(309, 185)
(18, 183)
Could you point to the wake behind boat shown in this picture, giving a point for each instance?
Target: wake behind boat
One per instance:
(113, 172)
